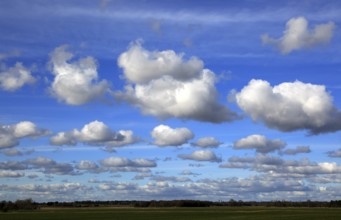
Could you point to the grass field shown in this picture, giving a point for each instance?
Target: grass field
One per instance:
(214, 213)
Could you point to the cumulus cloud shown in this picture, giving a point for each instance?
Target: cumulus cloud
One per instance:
(95, 133)
(75, 83)
(12, 165)
(297, 150)
(166, 85)
(268, 164)
(50, 166)
(201, 155)
(176, 179)
(16, 152)
(13, 78)
(260, 143)
(290, 106)
(336, 153)
(10, 174)
(206, 142)
(167, 136)
(125, 162)
(88, 165)
(11, 134)
(298, 36)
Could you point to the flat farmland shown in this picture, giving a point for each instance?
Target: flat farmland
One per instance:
(211, 213)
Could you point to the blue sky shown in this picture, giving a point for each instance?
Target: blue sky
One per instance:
(210, 100)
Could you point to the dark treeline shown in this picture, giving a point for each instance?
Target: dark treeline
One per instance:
(28, 204)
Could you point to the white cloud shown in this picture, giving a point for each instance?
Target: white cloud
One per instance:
(11, 134)
(201, 155)
(167, 136)
(276, 165)
(163, 84)
(11, 174)
(125, 162)
(141, 66)
(75, 83)
(15, 152)
(206, 142)
(298, 36)
(260, 143)
(50, 166)
(12, 79)
(297, 150)
(95, 133)
(290, 106)
(336, 153)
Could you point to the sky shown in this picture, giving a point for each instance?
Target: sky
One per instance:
(164, 100)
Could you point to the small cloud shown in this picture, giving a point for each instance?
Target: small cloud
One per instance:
(298, 36)
(260, 143)
(13, 78)
(113, 162)
(75, 83)
(297, 150)
(167, 136)
(201, 155)
(11, 134)
(95, 133)
(206, 142)
(10, 174)
(336, 153)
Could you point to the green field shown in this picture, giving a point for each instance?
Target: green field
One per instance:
(214, 213)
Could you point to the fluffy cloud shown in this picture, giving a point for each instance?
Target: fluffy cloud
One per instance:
(290, 106)
(12, 165)
(14, 78)
(297, 150)
(88, 165)
(50, 166)
(95, 133)
(201, 155)
(297, 35)
(206, 142)
(125, 162)
(11, 134)
(336, 153)
(15, 152)
(11, 174)
(167, 136)
(75, 83)
(163, 84)
(263, 163)
(260, 143)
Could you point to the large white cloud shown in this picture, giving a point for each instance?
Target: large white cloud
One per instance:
(260, 143)
(290, 106)
(95, 133)
(297, 35)
(167, 136)
(12, 79)
(201, 155)
(11, 134)
(75, 83)
(163, 84)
